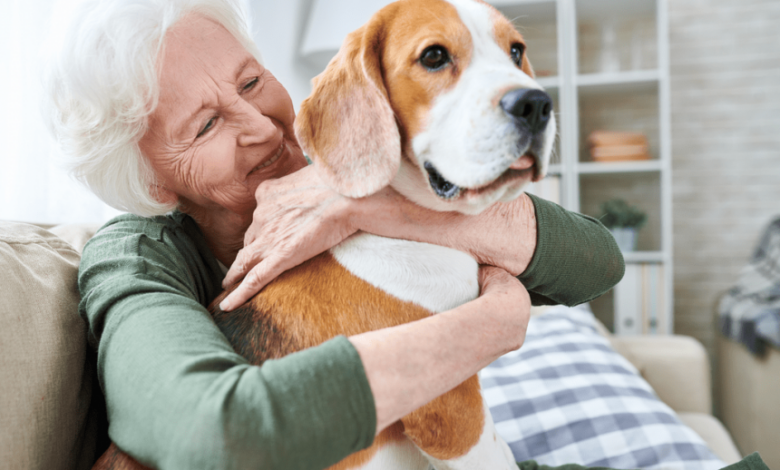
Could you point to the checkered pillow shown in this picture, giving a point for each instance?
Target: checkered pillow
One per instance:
(567, 397)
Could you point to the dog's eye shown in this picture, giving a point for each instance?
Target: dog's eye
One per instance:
(516, 52)
(434, 58)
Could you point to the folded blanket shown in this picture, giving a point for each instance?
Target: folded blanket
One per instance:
(750, 311)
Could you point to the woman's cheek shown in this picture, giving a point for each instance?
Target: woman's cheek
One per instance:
(212, 166)
(278, 104)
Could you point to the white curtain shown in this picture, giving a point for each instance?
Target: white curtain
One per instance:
(33, 185)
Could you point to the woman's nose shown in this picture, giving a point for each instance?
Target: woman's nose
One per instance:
(256, 128)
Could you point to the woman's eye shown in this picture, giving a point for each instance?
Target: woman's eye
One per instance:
(208, 126)
(434, 58)
(516, 52)
(251, 84)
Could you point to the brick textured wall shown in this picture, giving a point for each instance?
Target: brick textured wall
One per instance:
(725, 83)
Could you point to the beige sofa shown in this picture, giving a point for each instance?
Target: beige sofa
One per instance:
(51, 410)
(749, 399)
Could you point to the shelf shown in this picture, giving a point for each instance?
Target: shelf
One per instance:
(643, 257)
(594, 168)
(605, 63)
(616, 82)
(599, 10)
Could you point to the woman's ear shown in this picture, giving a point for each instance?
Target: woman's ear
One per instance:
(347, 126)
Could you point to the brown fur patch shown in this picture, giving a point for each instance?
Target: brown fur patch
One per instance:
(450, 423)
(311, 303)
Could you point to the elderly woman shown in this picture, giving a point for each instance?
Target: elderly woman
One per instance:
(167, 112)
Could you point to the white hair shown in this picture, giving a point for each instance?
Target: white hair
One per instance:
(102, 85)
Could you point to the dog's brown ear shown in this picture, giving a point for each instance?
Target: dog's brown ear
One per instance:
(347, 125)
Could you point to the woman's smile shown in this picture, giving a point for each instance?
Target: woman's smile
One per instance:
(271, 160)
(274, 158)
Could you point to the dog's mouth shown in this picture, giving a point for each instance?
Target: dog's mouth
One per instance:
(446, 189)
(440, 185)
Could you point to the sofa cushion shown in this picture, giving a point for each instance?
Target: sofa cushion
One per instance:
(567, 397)
(47, 376)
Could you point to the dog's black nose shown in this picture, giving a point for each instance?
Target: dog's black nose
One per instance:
(530, 107)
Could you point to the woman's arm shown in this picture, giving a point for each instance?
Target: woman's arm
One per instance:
(178, 396)
(409, 365)
(560, 256)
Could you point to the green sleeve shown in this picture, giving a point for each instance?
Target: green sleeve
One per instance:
(751, 462)
(177, 395)
(576, 258)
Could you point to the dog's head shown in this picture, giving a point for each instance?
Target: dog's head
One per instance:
(436, 98)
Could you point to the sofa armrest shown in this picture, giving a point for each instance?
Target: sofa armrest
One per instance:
(749, 403)
(677, 367)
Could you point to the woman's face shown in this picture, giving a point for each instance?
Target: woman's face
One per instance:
(223, 123)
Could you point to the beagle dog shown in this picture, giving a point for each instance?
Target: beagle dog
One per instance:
(437, 99)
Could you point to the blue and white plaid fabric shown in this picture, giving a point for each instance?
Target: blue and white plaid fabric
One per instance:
(750, 311)
(567, 397)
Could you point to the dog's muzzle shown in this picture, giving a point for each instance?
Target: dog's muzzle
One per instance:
(530, 111)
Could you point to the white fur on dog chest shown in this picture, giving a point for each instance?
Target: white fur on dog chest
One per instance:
(432, 276)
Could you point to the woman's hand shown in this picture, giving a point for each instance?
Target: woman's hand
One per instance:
(297, 217)
(508, 300)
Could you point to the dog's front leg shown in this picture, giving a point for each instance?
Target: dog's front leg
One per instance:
(456, 432)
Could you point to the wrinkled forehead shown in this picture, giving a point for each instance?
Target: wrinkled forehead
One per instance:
(455, 24)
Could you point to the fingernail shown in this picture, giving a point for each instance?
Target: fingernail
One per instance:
(224, 305)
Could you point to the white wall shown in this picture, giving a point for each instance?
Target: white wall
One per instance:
(726, 121)
(278, 30)
(725, 70)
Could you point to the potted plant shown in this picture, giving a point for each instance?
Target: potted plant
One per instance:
(623, 221)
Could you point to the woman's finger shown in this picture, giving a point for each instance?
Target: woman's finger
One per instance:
(257, 278)
(247, 258)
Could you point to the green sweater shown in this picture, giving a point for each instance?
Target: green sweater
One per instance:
(177, 394)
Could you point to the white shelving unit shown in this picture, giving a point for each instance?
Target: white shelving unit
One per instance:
(564, 47)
